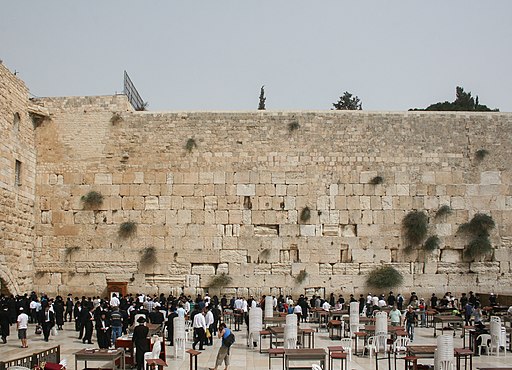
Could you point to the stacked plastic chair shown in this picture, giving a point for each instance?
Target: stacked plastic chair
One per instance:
(255, 324)
(354, 318)
(290, 332)
(495, 337)
(444, 358)
(179, 336)
(381, 322)
(269, 306)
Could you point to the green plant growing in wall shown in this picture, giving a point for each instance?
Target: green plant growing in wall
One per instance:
(116, 118)
(444, 210)
(92, 199)
(293, 126)
(384, 277)
(301, 277)
(148, 256)
(377, 180)
(127, 229)
(432, 243)
(478, 229)
(415, 225)
(69, 250)
(190, 145)
(480, 154)
(221, 280)
(305, 214)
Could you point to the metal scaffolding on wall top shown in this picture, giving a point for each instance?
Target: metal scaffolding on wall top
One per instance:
(133, 95)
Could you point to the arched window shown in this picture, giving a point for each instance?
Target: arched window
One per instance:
(16, 122)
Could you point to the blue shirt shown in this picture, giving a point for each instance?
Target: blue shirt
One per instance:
(225, 335)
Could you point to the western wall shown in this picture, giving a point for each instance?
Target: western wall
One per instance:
(223, 192)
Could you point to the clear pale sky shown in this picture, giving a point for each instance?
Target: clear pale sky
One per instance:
(215, 55)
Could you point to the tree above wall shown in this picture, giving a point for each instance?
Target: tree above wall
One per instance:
(463, 102)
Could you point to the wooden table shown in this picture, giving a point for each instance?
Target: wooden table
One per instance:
(463, 353)
(447, 319)
(110, 355)
(275, 320)
(304, 355)
(424, 351)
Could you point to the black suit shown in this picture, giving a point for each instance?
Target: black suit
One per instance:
(48, 321)
(88, 325)
(141, 343)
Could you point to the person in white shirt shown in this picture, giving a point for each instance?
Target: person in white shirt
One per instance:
(114, 301)
(186, 306)
(209, 319)
(181, 311)
(297, 310)
(199, 326)
(22, 326)
(326, 306)
(382, 302)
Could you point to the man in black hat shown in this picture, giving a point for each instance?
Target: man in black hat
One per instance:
(141, 342)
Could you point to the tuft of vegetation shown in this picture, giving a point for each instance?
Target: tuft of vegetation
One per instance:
(127, 229)
(148, 256)
(415, 225)
(69, 250)
(116, 118)
(305, 214)
(478, 229)
(262, 99)
(444, 210)
(293, 126)
(92, 199)
(190, 145)
(221, 280)
(384, 277)
(480, 154)
(377, 180)
(301, 277)
(432, 243)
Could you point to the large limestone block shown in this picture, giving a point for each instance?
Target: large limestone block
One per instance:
(485, 267)
(200, 269)
(452, 268)
(450, 255)
(362, 255)
(245, 189)
(490, 177)
(239, 256)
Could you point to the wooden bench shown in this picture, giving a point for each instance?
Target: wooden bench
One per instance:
(193, 355)
(151, 364)
(342, 356)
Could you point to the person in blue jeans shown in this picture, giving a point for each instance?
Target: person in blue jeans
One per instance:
(410, 321)
(116, 323)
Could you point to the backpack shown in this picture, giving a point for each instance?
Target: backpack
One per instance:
(229, 340)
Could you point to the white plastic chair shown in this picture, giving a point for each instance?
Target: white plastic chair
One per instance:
(484, 343)
(316, 367)
(155, 353)
(400, 346)
(346, 343)
(377, 343)
(179, 337)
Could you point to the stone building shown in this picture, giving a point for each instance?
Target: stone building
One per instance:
(281, 202)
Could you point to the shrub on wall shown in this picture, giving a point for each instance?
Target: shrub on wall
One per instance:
(116, 118)
(377, 180)
(478, 229)
(480, 154)
(148, 256)
(293, 126)
(190, 145)
(127, 229)
(415, 225)
(301, 277)
(305, 214)
(432, 243)
(92, 199)
(221, 280)
(384, 277)
(444, 210)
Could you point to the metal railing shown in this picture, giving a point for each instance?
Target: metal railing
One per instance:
(132, 94)
(31, 361)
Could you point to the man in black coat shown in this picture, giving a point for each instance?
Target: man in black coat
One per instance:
(140, 342)
(170, 324)
(4, 323)
(88, 324)
(48, 321)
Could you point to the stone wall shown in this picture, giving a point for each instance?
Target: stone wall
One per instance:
(16, 196)
(214, 192)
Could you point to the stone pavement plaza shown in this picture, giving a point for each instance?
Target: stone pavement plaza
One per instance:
(242, 357)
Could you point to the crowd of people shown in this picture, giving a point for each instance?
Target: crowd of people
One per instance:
(115, 316)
